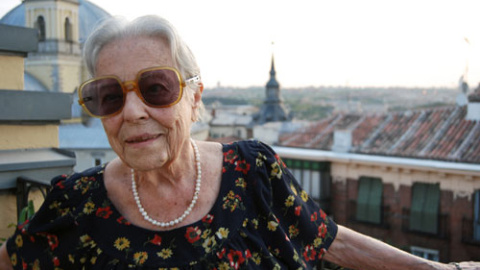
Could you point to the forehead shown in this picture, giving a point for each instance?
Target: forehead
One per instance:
(126, 56)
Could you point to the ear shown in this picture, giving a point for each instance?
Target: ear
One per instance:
(197, 100)
(197, 97)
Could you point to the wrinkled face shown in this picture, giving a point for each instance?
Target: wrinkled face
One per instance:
(144, 137)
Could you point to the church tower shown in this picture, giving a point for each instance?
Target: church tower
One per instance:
(273, 109)
(57, 62)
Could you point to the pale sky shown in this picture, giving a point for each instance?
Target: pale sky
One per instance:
(318, 42)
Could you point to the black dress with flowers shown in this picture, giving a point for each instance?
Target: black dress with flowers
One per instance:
(262, 219)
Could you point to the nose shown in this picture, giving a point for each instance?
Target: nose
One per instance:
(134, 109)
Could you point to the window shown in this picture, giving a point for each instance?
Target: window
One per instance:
(369, 200)
(68, 30)
(429, 254)
(476, 216)
(424, 211)
(313, 176)
(98, 161)
(40, 25)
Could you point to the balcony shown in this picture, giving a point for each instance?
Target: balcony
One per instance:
(470, 235)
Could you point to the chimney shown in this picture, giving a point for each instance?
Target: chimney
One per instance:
(473, 106)
(342, 141)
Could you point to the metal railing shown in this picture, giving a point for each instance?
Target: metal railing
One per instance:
(24, 186)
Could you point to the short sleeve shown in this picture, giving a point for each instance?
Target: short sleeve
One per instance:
(292, 214)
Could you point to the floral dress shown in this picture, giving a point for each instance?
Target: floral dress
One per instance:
(261, 219)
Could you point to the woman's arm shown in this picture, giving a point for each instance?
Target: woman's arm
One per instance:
(5, 263)
(357, 251)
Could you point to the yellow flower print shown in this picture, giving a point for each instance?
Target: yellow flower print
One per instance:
(93, 260)
(255, 223)
(89, 208)
(294, 190)
(36, 265)
(272, 225)
(13, 259)
(240, 182)
(317, 242)
(231, 195)
(276, 171)
(140, 257)
(165, 253)
(304, 195)
(256, 258)
(222, 233)
(260, 159)
(289, 201)
(206, 233)
(55, 204)
(121, 243)
(245, 222)
(209, 243)
(223, 266)
(71, 258)
(19, 241)
(293, 231)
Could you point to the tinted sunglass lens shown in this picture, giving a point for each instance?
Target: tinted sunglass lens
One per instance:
(159, 87)
(103, 97)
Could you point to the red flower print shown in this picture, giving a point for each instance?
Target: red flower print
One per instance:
(157, 240)
(60, 185)
(56, 261)
(24, 265)
(193, 234)
(123, 221)
(309, 253)
(236, 258)
(248, 254)
(221, 253)
(280, 161)
(322, 230)
(242, 166)
(297, 210)
(52, 241)
(207, 219)
(230, 156)
(104, 212)
(321, 253)
(314, 216)
(323, 215)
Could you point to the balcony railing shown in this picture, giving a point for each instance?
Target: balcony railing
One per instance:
(441, 229)
(24, 186)
(469, 234)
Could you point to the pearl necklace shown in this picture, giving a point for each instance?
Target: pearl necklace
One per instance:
(198, 182)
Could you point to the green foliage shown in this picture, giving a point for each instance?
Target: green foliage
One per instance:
(26, 214)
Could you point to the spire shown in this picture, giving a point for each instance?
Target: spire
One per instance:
(272, 69)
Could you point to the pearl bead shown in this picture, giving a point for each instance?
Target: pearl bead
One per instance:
(198, 182)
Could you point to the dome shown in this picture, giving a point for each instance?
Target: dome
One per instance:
(89, 15)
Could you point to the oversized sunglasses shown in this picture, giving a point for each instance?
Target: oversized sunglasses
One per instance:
(158, 87)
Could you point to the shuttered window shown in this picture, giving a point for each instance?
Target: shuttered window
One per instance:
(369, 200)
(425, 207)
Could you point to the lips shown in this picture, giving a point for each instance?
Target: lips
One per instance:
(142, 138)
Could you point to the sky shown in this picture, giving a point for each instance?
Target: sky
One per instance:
(409, 43)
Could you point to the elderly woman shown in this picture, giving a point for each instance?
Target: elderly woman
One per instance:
(168, 201)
